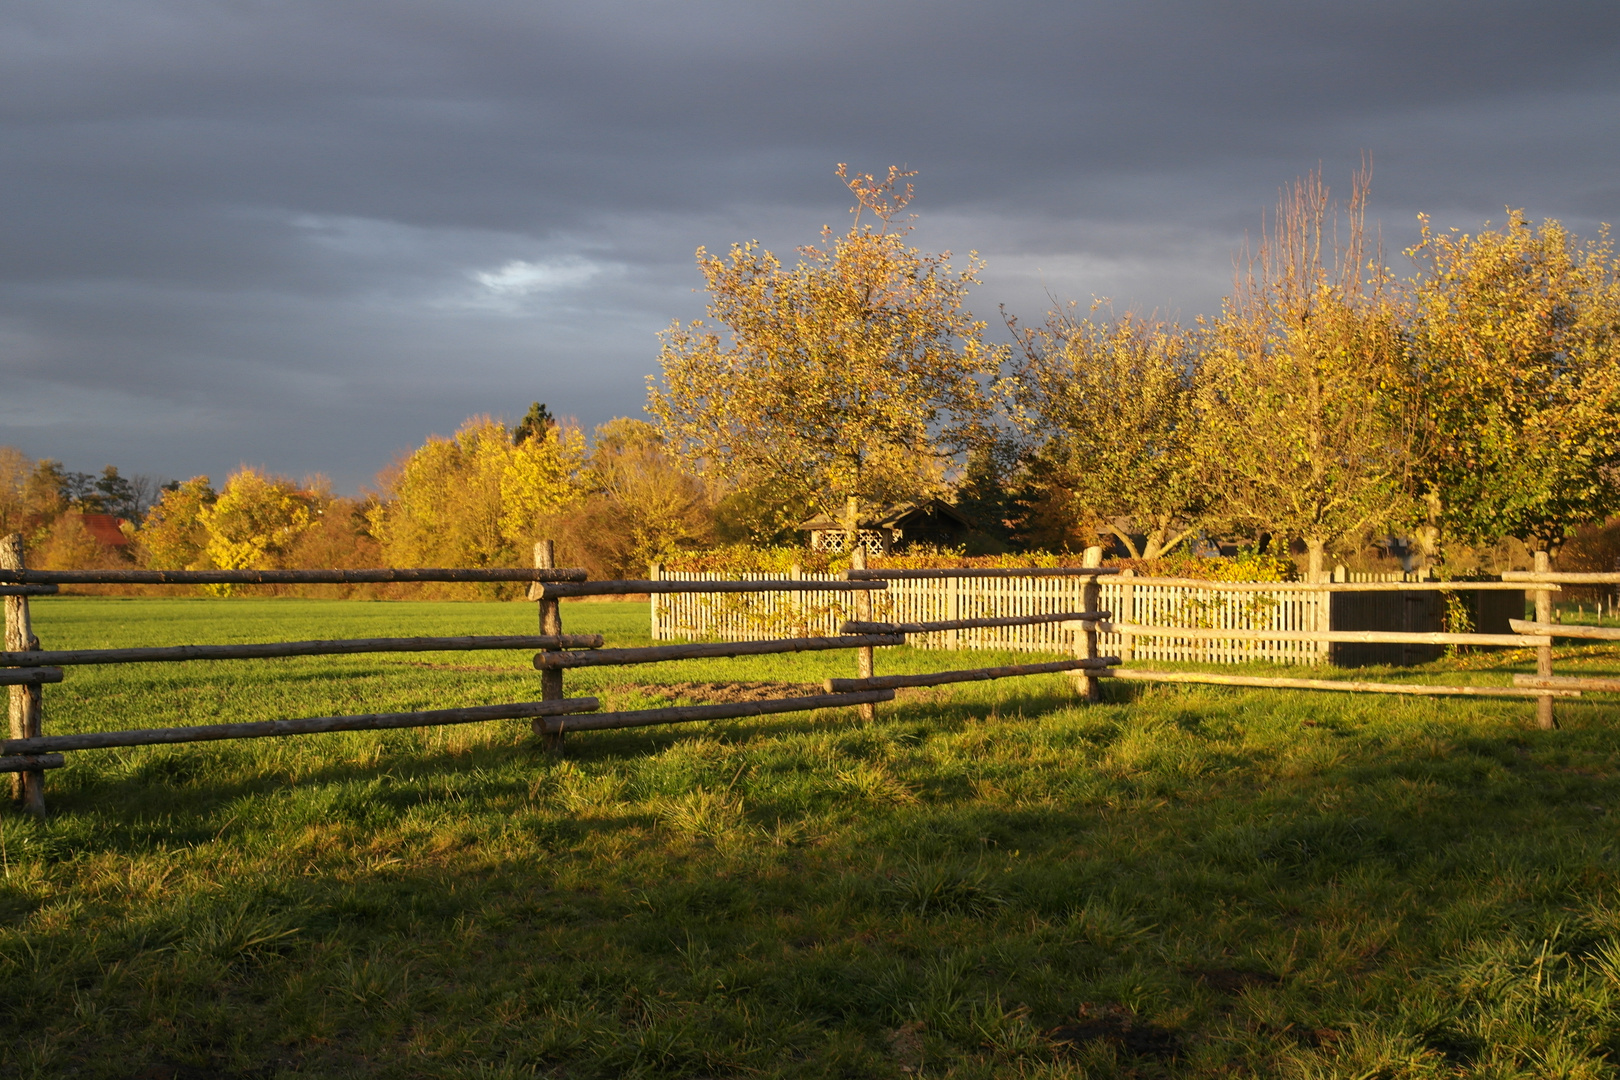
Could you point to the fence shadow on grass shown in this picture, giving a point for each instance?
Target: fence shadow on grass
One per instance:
(1351, 892)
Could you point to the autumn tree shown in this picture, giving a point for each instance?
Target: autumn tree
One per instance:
(172, 536)
(15, 469)
(1516, 349)
(1110, 407)
(258, 519)
(640, 505)
(1303, 430)
(476, 499)
(853, 377)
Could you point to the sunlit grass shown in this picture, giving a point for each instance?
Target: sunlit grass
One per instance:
(991, 880)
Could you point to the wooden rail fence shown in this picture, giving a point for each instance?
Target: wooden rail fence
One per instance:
(926, 607)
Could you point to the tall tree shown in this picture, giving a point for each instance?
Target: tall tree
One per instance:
(535, 423)
(476, 499)
(1110, 405)
(1304, 426)
(854, 376)
(15, 469)
(640, 505)
(257, 519)
(1516, 349)
(172, 536)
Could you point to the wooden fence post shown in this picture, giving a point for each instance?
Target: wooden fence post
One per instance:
(1544, 663)
(27, 704)
(1085, 641)
(551, 679)
(863, 612)
(799, 625)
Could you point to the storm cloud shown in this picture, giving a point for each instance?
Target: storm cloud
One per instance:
(305, 235)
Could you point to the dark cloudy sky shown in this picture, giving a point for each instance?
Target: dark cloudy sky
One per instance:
(305, 235)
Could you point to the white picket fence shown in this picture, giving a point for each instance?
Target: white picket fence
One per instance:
(754, 616)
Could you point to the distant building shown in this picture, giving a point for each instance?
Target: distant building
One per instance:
(893, 528)
(106, 529)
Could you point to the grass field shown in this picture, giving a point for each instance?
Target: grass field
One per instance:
(989, 881)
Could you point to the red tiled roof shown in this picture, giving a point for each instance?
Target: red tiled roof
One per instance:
(104, 527)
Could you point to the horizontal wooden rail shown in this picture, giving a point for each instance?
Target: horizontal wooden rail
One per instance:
(853, 627)
(986, 572)
(1202, 633)
(29, 590)
(273, 649)
(1542, 580)
(939, 678)
(284, 577)
(681, 714)
(1568, 682)
(621, 588)
(1329, 586)
(658, 653)
(1565, 630)
(29, 676)
(314, 725)
(1344, 685)
(31, 762)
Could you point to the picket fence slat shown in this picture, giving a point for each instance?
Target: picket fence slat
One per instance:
(755, 616)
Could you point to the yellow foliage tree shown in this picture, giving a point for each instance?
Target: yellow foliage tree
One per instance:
(476, 499)
(1516, 348)
(1112, 405)
(1302, 423)
(257, 519)
(172, 536)
(640, 507)
(852, 377)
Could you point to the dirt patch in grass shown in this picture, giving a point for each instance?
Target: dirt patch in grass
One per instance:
(720, 693)
(1118, 1026)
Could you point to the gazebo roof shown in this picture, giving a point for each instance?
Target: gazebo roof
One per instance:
(888, 517)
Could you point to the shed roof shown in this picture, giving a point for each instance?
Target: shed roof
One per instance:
(893, 516)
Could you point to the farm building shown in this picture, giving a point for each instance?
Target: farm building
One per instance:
(893, 528)
(107, 529)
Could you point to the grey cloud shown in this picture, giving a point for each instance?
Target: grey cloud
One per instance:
(307, 234)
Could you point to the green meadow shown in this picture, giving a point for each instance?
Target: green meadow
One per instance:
(991, 880)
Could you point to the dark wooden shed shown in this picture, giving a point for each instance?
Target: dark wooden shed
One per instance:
(1417, 611)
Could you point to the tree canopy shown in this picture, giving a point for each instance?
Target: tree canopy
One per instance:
(1112, 406)
(854, 375)
(1515, 346)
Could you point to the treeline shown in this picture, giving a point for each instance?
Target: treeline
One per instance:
(481, 497)
(1329, 403)
(1462, 414)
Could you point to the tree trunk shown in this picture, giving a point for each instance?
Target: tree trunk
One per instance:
(1428, 534)
(852, 524)
(1544, 660)
(1147, 551)
(1315, 556)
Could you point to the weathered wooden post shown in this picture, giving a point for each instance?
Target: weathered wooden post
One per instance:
(1544, 663)
(27, 704)
(863, 612)
(1085, 641)
(798, 624)
(551, 679)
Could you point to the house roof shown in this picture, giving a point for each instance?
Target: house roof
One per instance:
(105, 528)
(893, 516)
